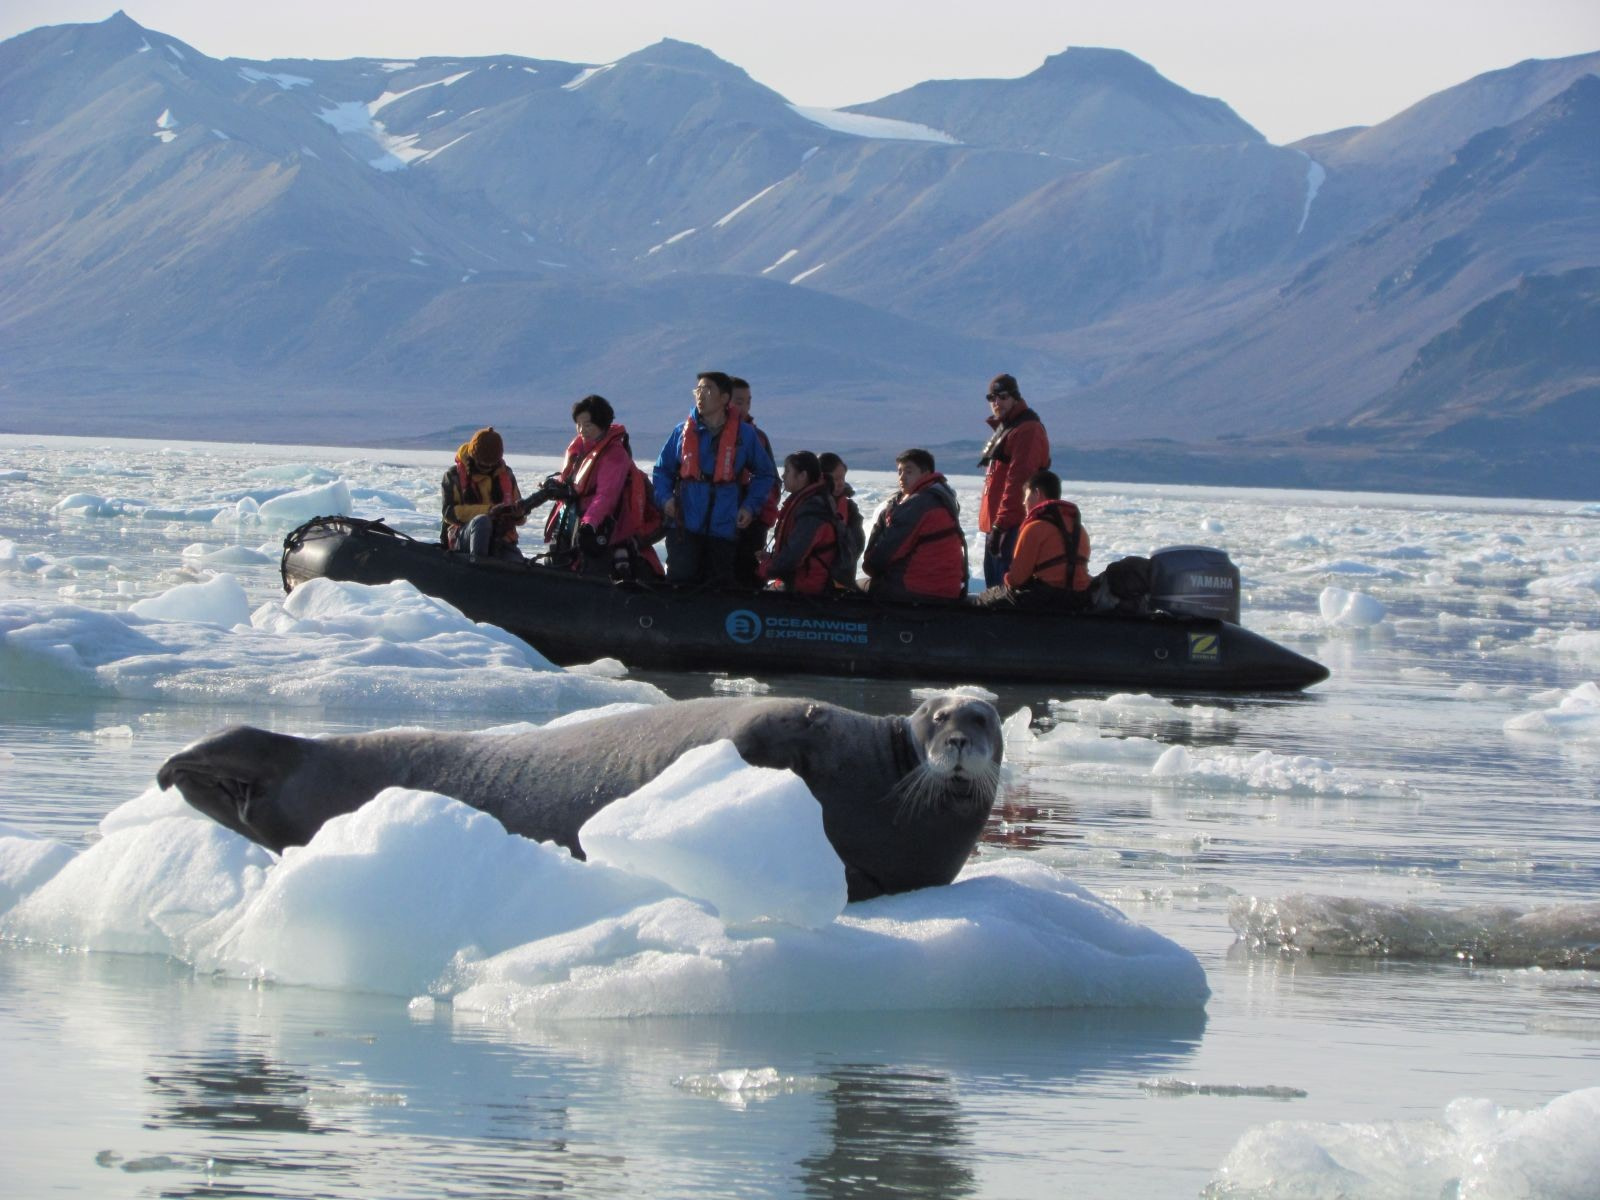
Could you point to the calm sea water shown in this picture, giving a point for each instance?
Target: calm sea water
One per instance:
(1396, 781)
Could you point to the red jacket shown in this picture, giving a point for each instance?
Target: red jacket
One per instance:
(804, 542)
(1018, 448)
(917, 550)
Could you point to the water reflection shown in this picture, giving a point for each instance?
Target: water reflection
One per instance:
(892, 1133)
(246, 1090)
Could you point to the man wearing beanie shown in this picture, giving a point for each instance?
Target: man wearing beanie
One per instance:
(480, 499)
(1018, 448)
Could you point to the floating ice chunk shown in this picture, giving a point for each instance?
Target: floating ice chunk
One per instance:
(741, 687)
(114, 733)
(382, 899)
(1561, 935)
(960, 689)
(1350, 610)
(1573, 584)
(747, 840)
(1575, 718)
(1007, 934)
(1347, 566)
(1188, 1087)
(329, 643)
(142, 890)
(602, 668)
(27, 862)
(294, 474)
(737, 1086)
(1211, 525)
(1132, 707)
(1477, 1149)
(319, 500)
(218, 601)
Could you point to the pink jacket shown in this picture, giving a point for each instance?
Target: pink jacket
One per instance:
(600, 491)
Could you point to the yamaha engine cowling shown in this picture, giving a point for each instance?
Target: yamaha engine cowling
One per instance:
(1195, 581)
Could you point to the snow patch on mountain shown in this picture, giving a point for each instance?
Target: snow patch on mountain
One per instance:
(1316, 175)
(583, 77)
(863, 126)
(388, 98)
(283, 80)
(721, 221)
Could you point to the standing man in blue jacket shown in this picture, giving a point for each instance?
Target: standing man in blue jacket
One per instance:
(697, 484)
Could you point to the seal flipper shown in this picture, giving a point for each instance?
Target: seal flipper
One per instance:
(233, 778)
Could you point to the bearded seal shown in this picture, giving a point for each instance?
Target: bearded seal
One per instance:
(904, 799)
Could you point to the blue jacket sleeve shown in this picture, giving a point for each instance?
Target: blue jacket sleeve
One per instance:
(664, 475)
(763, 475)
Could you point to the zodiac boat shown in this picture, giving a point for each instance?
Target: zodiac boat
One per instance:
(571, 618)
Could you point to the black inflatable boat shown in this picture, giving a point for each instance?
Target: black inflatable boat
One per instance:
(575, 619)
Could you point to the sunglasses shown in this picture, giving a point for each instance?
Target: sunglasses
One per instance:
(996, 397)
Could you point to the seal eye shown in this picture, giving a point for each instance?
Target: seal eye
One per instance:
(939, 717)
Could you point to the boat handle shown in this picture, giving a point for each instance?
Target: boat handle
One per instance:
(1161, 653)
(905, 636)
(646, 622)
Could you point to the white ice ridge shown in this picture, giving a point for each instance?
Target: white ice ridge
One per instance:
(326, 643)
(388, 98)
(417, 894)
(1316, 176)
(1559, 935)
(1477, 1149)
(1575, 716)
(1144, 761)
(583, 77)
(677, 237)
(359, 120)
(808, 274)
(782, 258)
(862, 126)
(723, 220)
(284, 81)
(165, 126)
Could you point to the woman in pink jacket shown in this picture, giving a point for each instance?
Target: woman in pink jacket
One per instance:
(604, 527)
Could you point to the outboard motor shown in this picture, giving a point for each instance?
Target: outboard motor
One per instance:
(1195, 581)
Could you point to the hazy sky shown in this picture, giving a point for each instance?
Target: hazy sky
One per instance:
(1289, 67)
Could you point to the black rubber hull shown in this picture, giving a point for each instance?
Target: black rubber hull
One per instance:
(573, 619)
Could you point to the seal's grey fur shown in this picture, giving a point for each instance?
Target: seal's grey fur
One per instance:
(904, 799)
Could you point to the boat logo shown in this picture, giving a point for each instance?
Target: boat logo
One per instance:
(1204, 647)
(743, 625)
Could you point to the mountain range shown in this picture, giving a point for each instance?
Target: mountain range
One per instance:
(388, 253)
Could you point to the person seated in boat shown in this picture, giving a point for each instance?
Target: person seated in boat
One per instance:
(917, 550)
(752, 539)
(481, 501)
(697, 485)
(853, 538)
(805, 540)
(1050, 565)
(604, 528)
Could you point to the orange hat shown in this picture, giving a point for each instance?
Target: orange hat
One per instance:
(485, 447)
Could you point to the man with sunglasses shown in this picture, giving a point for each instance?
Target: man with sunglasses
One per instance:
(1019, 447)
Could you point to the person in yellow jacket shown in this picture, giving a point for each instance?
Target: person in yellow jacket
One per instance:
(480, 508)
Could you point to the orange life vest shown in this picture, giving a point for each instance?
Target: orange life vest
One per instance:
(727, 452)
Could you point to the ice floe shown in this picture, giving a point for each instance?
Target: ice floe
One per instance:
(415, 893)
(326, 643)
(1576, 716)
(1134, 760)
(1560, 935)
(1476, 1149)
